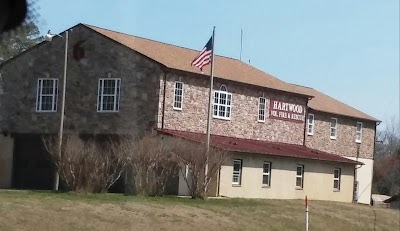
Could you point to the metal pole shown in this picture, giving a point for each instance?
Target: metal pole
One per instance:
(306, 214)
(60, 133)
(210, 97)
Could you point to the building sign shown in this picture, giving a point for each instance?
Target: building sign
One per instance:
(286, 111)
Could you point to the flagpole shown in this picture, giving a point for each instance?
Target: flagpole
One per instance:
(209, 109)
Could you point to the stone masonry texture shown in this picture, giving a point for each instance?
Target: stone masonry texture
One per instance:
(103, 58)
(243, 122)
(344, 144)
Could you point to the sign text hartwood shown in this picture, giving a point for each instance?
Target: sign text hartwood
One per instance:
(286, 111)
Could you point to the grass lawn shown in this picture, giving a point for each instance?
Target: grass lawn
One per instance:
(28, 210)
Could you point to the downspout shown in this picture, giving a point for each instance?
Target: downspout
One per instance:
(163, 104)
(305, 123)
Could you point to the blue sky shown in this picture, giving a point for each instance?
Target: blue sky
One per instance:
(346, 49)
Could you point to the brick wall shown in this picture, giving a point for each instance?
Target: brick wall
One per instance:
(344, 144)
(243, 122)
(103, 58)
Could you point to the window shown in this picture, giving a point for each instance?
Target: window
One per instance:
(333, 130)
(299, 176)
(336, 179)
(310, 124)
(222, 104)
(178, 95)
(358, 132)
(47, 90)
(266, 173)
(261, 109)
(237, 172)
(108, 98)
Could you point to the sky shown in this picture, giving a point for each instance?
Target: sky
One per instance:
(348, 50)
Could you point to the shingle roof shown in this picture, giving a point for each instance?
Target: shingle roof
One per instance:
(179, 58)
(325, 103)
(261, 147)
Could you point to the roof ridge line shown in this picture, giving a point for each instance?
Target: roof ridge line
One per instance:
(222, 56)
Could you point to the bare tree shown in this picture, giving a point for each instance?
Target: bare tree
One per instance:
(87, 166)
(193, 156)
(152, 164)
(386, 178)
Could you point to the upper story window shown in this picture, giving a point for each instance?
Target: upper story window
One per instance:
(237, 172)
(333, 130)
(299, 176)
(336, 179)
(178, 95)
(222, 103)
(310, 124)
(359, 132)
(266, 174)
(46, 100)
(109, 92)
(261, 109)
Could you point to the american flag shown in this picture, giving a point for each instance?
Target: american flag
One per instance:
(204, 58)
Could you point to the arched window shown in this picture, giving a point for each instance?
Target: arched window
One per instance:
(222, 103)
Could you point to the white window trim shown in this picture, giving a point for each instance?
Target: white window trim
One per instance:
(173, 101)
(238, 173)
(267, 174)
(359, 132)
(230, 106)
(337, 179)
(300, 176)
(100, 99)
(39, 95)
(330, 129)
(310, 124)
(265, 109)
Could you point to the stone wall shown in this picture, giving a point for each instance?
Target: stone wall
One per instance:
(103, 58)
(244, 115)
(344, 144)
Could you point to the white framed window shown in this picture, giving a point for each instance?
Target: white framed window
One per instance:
(261, 109)
(237, 172)
(359, 132)
(336, 179)
(333, 129)
(266, 181)
(310, 124)
(222, 104)
(47, 91)
(178, 95)
(299, 176)
(109, 94)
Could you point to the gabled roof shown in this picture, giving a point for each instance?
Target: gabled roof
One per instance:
(325, 103)
(261, 147)
(180, 58)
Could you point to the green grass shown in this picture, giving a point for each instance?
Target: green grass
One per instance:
(43, 210)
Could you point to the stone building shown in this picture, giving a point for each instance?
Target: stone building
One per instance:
(290, 141)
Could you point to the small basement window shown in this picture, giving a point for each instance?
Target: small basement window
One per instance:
(237, 172)
(266, 173)
(336, 179)
(299, 176)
